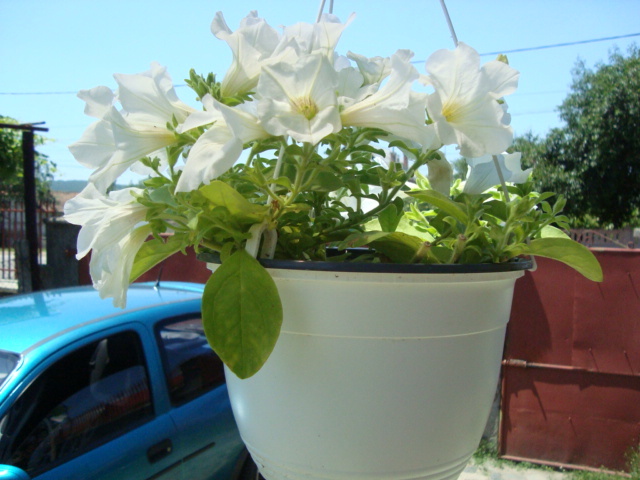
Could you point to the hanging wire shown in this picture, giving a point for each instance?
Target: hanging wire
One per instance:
(451, 29)
(321, 9)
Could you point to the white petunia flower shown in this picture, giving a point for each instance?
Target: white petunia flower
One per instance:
(251, 44)
(214, 153)
(218, 149)
(113, 229)
(395, 107)
(110, 268)
(299, 99)
(121, 138)
(483, 174)
(465, 107)
(373, 70)
(149, 98)
(320, 37)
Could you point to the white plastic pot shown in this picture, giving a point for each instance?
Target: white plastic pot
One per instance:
(376, 375)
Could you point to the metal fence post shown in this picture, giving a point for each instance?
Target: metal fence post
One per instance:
(30, 207)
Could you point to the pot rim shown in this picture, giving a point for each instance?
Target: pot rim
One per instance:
(517, 264)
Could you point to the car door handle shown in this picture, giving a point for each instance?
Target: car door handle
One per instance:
(159, 450)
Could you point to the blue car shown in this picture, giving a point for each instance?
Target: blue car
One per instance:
(89, 391)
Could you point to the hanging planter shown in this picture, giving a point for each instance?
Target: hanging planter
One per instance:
(381, 371)
(382, 367)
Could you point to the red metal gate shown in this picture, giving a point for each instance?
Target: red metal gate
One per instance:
(571, 377)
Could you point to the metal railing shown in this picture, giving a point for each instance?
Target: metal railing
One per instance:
(13, 230)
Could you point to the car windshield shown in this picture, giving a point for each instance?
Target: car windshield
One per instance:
(8, 361)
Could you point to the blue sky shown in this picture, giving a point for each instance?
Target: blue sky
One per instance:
(52, 48)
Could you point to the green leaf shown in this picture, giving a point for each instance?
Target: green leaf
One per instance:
(163, 195)
(567, 251)
(398, 246)
(390, 217)
(242, 313)
(221, 194)
(552, 232)
(442, 202)
(153, 252)
(326, 181)
(360, 239)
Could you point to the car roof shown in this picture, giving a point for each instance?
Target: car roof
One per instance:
(31, 319)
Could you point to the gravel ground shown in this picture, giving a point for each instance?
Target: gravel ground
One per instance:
(491, 471)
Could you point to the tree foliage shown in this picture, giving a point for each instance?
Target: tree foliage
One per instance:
(11, 171)
(594, 160)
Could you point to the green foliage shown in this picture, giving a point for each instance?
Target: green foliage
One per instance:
(11, 174)
(242, 313)
(594, 160)
(493, 228)
(312, 196)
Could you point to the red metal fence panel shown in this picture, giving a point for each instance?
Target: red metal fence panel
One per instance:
(13, 229)
(571, 380)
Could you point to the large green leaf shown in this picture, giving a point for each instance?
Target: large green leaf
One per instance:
(242, 313)
(398, 246)
(567, 251)
(153, 252)
(441, 202)
(221, 194)
(554, 232)
(360, 239)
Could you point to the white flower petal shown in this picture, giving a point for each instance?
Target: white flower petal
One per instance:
(464, 107)
(199, 118)
(214, 153)
(502, 79)
(440, 175)
(394, 108)
(98, 101)
(110, 268)
(483, 175)
(243, 122)
(251, 44)
(299, 100)
(150, 96)
(373, 70)
(96, 145)
(321, 37)
(105, 219)
(132, 142)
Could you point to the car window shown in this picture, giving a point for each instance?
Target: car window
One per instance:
(191, 367)
(84, 399)
(8, 361)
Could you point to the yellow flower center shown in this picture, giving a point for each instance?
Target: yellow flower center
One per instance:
(306, 106)
(452, 111)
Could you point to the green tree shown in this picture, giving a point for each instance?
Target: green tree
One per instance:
(11, 174)
(594, 160)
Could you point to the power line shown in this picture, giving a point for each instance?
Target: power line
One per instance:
(567, 44)
(517, 50)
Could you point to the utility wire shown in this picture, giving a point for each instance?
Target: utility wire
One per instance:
(517, 50)
(567, 44)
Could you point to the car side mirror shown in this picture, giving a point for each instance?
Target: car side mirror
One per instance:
(9, 472)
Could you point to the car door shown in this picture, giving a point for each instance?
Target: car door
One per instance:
(88, 413)
(209, 441)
